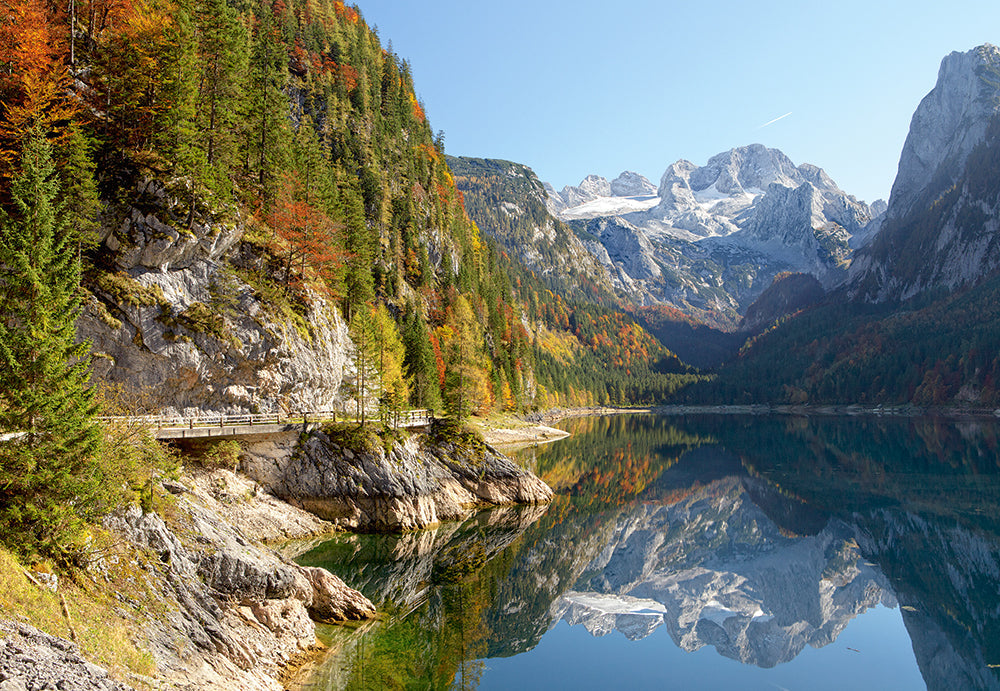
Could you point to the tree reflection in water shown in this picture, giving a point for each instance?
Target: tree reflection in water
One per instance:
(754, 535)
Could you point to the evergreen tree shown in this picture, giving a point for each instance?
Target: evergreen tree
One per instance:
(358, 281)
(419, 362)
(267, 114)
(223, 46)
(49, 476)
(79, 189)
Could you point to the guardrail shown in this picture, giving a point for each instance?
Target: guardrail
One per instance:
(408, 418)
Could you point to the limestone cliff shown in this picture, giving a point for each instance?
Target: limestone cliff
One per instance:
(175, 315)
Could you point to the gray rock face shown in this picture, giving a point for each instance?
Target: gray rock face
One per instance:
(413, 485)
(31, 660)
(941, 226)
(179, 325)
(626, 247)
(947, 124)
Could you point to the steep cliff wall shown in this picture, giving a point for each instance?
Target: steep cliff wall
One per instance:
(187, 316)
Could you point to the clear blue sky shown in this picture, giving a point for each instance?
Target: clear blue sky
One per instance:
(573, 87)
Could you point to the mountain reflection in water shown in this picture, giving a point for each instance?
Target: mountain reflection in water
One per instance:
(755, 536)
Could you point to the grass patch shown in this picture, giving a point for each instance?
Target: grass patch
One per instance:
(104, 635)
(363, 438)
(125, 290)
(465, 438)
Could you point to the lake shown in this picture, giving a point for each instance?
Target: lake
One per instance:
(751, 552)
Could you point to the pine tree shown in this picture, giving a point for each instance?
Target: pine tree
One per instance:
(359, 283)
(267, 113)
(420, 363)
(49, 477)
(79, 189)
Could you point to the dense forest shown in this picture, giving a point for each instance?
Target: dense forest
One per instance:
(289, 120)
(926, 352)
(293, 116)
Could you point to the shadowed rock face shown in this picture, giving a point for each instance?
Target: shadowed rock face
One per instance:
(949, 122)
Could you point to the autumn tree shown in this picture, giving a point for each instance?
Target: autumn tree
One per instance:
(395, 389)
(308, 236)
(465, 384)
(366, 354)
(34, 83)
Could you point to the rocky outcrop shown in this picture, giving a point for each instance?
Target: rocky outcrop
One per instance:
(243, 504)
(413, 484)
(243, 612)
(31, 660)
(941, 228)
(947, 125)
(173, 316)
(631, 184)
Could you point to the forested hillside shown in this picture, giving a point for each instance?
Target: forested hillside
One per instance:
(289, 124)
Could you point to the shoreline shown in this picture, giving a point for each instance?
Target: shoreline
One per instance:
(804, 410)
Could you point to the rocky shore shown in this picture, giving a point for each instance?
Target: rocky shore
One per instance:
(213, 607)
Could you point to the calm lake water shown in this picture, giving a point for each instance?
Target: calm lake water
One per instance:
(700, 552)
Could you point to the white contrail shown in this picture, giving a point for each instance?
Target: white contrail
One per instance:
(771, 122)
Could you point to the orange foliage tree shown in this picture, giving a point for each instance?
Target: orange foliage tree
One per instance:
(307, 237)
(34, 82)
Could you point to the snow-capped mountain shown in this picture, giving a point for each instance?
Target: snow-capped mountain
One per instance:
(712, 237)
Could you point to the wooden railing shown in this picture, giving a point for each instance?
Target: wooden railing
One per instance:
(407, 418)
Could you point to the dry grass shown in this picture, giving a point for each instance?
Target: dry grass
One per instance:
(101, 622)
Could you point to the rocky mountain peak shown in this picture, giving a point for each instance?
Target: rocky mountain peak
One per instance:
(631, 184)
(746, 169)
(947, 124)
(590, 188)
(941, 225)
